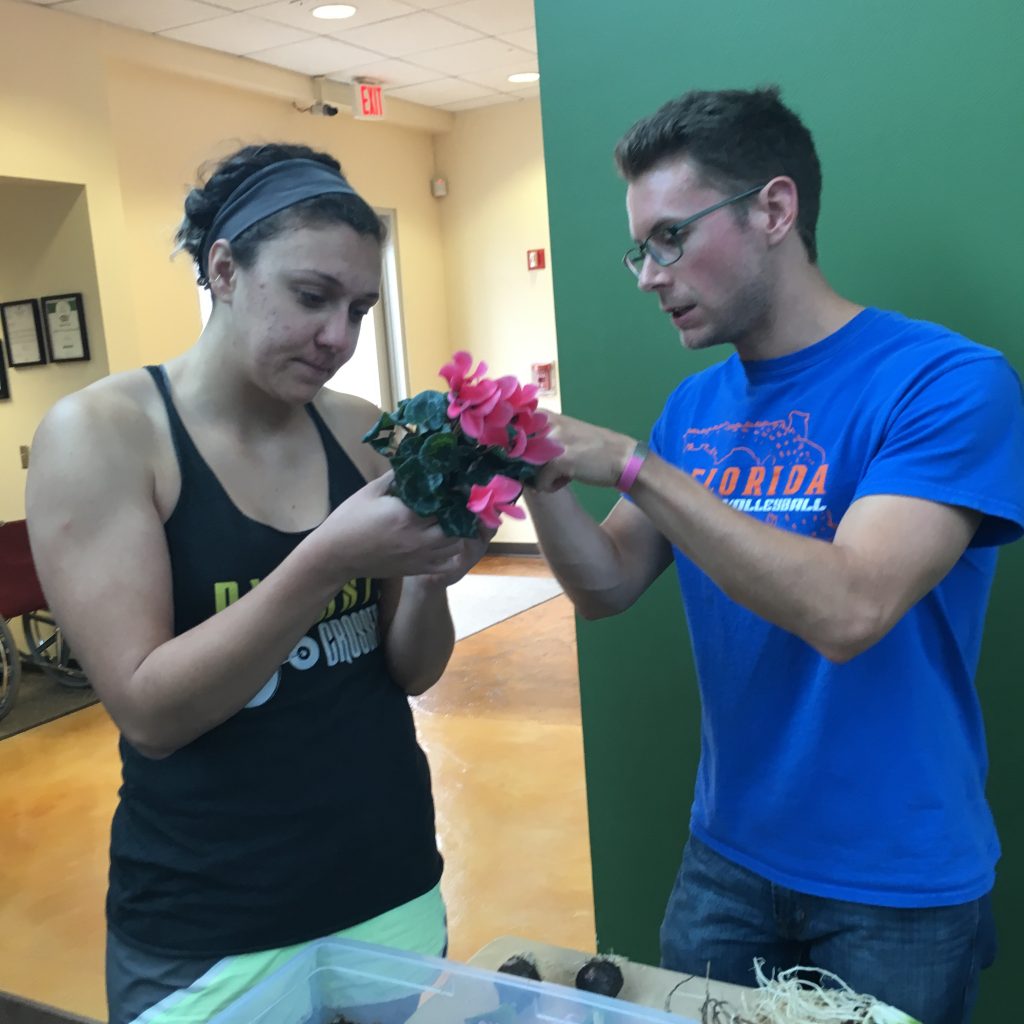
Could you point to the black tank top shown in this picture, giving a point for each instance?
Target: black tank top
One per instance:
(310, 809)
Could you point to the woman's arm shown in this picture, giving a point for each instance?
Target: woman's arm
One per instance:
(416, 625)
(418, 634)
(99, 548)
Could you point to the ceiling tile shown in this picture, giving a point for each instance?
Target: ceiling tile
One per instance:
(447, 90)
(527, 39)
(300, 15)
(528, 91)
(413, 32)
(497, 77)
(317, 56)
(475, 56)
(492, 17)
(391, 73)
(238, 33)
(154, 16)
(450, 54)
(241, 5)
(481, 101)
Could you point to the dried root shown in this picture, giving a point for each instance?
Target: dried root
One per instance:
(789, 997)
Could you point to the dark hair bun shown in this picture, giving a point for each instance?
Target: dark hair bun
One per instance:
(219, 179)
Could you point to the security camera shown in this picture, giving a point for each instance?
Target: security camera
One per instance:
(319, 108)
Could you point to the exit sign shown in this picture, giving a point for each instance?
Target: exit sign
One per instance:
(369, 102)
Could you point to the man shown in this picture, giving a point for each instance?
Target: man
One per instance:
(832, 494)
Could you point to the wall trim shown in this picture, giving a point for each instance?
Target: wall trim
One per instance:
(503, 547)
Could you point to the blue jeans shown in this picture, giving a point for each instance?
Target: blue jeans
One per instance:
(923, 961)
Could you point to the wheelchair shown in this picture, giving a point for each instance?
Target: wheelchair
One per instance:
(21, 596)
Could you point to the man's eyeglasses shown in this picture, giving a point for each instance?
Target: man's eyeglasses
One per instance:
(665, 246)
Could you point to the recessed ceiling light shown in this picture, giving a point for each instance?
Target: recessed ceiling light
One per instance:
(524, 76)
(334, 11)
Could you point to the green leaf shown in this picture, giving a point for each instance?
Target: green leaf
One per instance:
(428, 410)
(436, 464)
(480, 472)
(456, 520)
(409, 447)
(439, 452)
(380, 434)
(419, 489)
(521, 471)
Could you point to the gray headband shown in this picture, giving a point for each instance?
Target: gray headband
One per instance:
(271, 189)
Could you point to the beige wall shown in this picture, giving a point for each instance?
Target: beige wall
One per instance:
(54, 112)
(496, 209)
(131, 117)
(46, 250)
(390, 165)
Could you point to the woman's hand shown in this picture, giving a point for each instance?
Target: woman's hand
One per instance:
(374, 534)
(471, 550)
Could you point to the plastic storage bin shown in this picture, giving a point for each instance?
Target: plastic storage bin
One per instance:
(335, 980)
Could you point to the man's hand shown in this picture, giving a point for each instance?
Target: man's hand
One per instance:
(593, 455)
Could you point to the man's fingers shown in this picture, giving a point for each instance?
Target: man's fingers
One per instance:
(551, 478)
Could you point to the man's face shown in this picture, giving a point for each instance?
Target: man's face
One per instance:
(718, 291)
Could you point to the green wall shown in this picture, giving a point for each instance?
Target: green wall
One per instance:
(918, 113)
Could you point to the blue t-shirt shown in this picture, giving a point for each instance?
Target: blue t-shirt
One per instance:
(863, 781)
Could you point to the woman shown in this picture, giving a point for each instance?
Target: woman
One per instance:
(251, 611)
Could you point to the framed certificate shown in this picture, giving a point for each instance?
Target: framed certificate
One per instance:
(23, 333)
(66, 337)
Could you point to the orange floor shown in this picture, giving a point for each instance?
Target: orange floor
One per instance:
(501, 730)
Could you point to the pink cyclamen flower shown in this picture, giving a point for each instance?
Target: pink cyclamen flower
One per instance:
(523, 398)
(481, 401)
(494, 499)
(540, 450)
(483, 410)
(457, 371)
(498, 413)
(530, 442)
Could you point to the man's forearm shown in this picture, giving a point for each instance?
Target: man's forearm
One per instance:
(840, 597)
(806, 586)
(582, 556)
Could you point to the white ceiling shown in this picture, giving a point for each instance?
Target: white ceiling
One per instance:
(452, 54)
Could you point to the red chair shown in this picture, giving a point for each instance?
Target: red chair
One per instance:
(21, 595)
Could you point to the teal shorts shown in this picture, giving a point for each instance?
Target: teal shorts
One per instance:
(147, 988)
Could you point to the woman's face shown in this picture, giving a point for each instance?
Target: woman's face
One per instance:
(296, 311)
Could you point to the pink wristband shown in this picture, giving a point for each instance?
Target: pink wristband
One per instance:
(632, 468)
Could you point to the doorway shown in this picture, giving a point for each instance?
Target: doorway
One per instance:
(377, 371)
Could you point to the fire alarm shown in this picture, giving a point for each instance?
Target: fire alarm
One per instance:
(534, 259)
(543, 375)
(438, 187)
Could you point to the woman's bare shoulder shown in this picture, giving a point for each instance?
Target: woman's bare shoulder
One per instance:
(349, 418)
(112, 418)
(120, 399)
